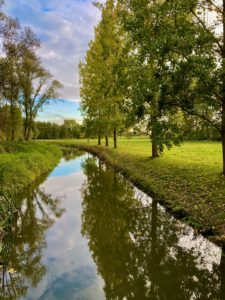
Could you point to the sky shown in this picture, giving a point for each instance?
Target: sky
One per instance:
(65, 28)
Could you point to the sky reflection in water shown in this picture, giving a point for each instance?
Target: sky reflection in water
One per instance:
(71, 272)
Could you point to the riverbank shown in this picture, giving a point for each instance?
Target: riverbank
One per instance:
(187, 179)
(21, 163)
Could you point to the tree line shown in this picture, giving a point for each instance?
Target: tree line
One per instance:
(70, 129)
(160, 63)
(25, 84)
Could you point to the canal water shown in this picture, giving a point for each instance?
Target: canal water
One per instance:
(85, 232)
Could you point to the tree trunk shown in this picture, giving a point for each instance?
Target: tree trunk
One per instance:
(106, 141)
(12, 112)
(115, 138)
(154, 119)
(155, 152)
(29, 126)
(28, 134)
(25, 126)
(25, 132)
(13, 134)
(99, 140)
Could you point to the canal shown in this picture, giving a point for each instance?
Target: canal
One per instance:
(86, 232)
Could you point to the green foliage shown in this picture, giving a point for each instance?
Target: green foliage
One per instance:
(68, 130)
(152, 32)
(37, 92)
(196, 129)
(9, 124)
(102, 74)
(177, 63)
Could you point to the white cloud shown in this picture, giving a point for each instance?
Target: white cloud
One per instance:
(65, 29)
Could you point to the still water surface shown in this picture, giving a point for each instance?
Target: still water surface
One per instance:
(87, 233)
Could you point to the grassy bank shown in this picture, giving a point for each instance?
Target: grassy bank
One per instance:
(21, 163)
(186, 179)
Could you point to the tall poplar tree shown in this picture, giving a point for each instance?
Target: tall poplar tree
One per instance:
(92, 90)
(102, 74)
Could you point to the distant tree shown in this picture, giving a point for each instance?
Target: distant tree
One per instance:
(195, 128)
(70, 129)
(44, 130)
(88, 128)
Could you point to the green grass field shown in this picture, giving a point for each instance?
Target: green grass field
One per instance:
(187, 179)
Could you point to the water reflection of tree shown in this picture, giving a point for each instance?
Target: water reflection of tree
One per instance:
(21, 265)
(71, 153)
(136, 248)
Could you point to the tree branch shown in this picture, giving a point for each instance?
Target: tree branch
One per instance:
(207, 29)
(196, 114)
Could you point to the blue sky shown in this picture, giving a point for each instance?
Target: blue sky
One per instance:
(65, 28)
(61, 110)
